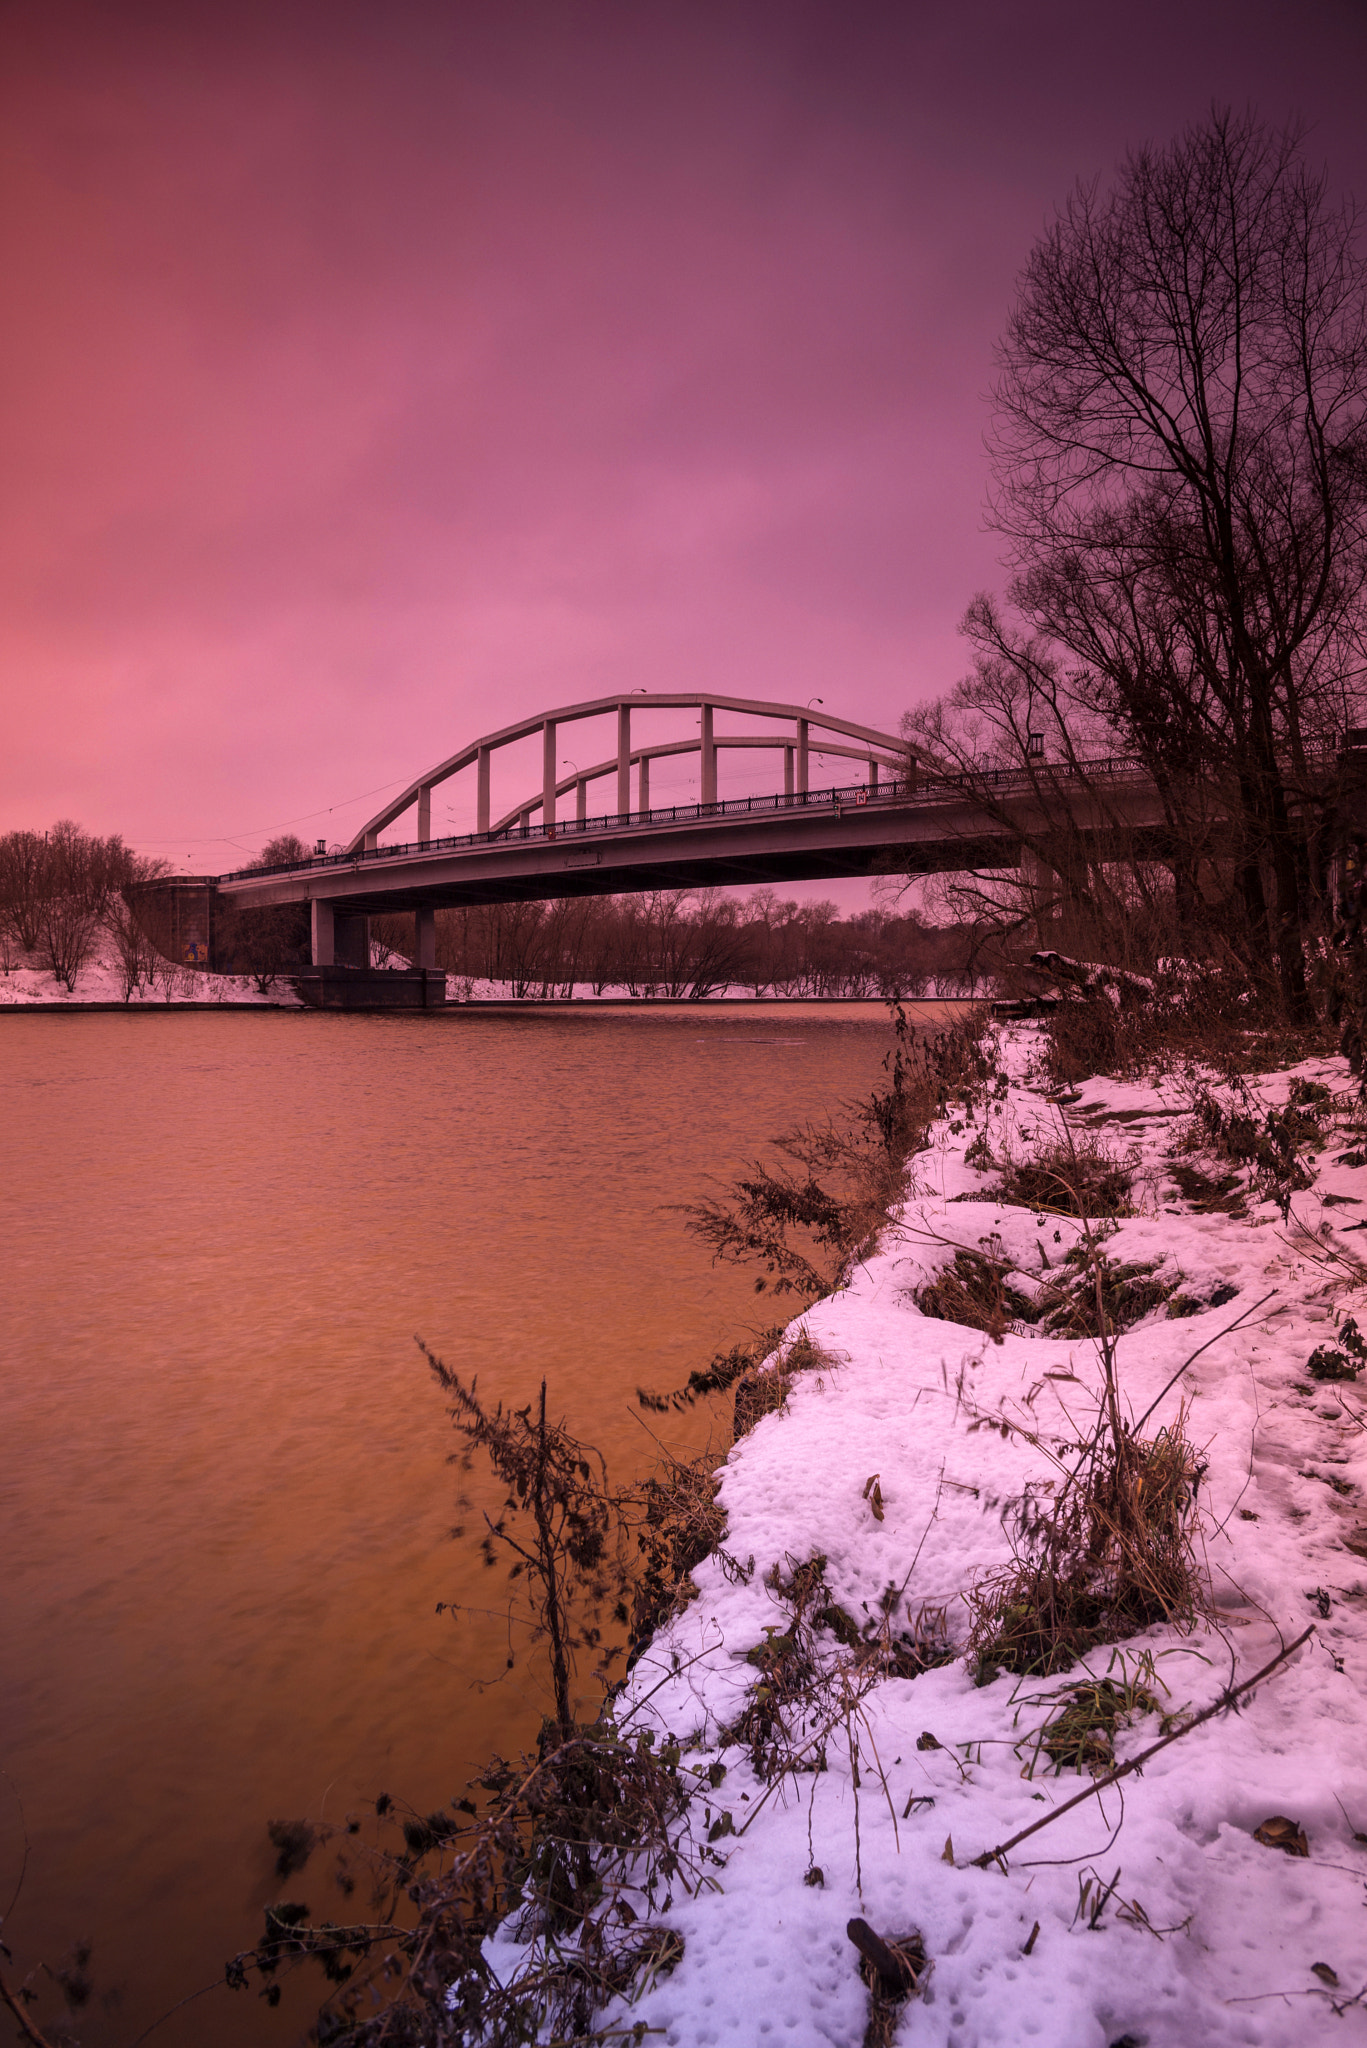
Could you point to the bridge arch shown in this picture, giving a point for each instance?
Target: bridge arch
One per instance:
(794, 724)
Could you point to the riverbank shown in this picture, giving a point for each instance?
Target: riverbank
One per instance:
(913, 1455)
(99, 984)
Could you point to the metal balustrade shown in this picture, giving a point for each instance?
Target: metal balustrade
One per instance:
(925, 789)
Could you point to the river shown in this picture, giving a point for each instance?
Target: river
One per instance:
(226, 1501)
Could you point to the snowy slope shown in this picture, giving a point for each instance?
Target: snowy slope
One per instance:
(905, 1397)
(99, 981)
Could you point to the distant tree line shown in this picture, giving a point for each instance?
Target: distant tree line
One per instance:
(691, 944)
(66, 893)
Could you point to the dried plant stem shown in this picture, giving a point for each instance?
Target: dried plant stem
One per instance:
(27, 2029)
(1226, 1699)
(1242, 1317)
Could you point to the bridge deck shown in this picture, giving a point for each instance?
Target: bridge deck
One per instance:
(939, 824)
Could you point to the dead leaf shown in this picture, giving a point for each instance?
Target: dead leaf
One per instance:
(1326, 1975)
(1277, 1832)
(947, 1853)
(928, 1741)
(873, 1494)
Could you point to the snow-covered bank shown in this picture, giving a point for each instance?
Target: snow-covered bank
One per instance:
(100, 979)
(465, 988)
(1209, 1934)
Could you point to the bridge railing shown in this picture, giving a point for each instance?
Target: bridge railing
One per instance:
(927, 789)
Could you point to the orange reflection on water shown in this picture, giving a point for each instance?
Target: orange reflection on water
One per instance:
(226, 1501)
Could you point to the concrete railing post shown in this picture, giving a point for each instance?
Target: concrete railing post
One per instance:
(643, 784)
(581, 800)
(803, 756)
(788, 772)
(623, 759)
(425, 815)
(482, 790)
(709, 758)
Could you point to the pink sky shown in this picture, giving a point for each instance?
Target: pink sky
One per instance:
(377, 375)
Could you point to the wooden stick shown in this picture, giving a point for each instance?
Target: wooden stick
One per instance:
(896, 1975)
(1227, 1699)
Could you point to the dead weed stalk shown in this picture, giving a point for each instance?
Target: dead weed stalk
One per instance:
(574, 1853)
(1112, 1553)
(807, 1223)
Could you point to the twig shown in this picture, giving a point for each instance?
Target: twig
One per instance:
(1227, 1698)
(23, 1829)
(1243, 1316)
(26, 2026)
(171, 2010)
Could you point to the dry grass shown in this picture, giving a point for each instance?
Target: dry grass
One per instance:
(1074, 1173)
(1113, 1555)
(807, 1222)
(1199, 1013)
(1081, 1731)
(976, 1292)
(1100, 1296)
(682, 1523)
(889, 1996)
(763, 1389)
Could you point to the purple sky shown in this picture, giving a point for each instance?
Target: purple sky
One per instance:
(377, 375)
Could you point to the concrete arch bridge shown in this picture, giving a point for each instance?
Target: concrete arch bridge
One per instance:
(563, 839)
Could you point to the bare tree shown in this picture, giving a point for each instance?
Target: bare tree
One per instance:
(69, 890)
(24, 870)
(1180, 471)
(126, 925)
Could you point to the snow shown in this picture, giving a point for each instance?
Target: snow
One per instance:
(100, 981)
(905, 1396)
(469, 988)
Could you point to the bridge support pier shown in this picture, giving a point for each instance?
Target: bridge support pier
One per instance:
(425, 947)
(350, 941)
(322, 923)
(1040, 889)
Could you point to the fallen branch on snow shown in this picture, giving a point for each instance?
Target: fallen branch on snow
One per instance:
(1227, 1698)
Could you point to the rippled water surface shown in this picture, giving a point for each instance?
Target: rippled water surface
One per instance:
(225, 1495)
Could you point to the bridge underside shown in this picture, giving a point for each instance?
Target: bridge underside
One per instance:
(623, 877)
(844, 834)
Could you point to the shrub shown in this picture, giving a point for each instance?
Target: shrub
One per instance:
(1113, 1555)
